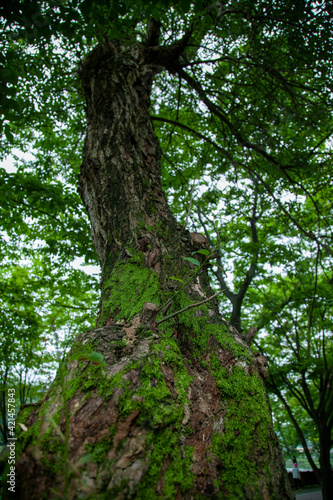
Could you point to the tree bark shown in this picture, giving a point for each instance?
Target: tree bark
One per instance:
(178, 410)
(325, 472)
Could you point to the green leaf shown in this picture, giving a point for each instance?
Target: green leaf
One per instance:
(193, 261)
(96, 358)
(203, 251)
(8, 134)
(185, 5)
(176, 279)
(89, 457)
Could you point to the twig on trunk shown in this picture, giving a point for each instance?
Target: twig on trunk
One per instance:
(188, 307)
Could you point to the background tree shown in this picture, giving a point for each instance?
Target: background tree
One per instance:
(299, 347)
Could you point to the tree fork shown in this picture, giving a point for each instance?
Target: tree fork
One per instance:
(176, 411)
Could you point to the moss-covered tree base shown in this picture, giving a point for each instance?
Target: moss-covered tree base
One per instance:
(168, 416)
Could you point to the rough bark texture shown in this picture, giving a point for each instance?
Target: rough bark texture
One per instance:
(325, 472)
(179, 410)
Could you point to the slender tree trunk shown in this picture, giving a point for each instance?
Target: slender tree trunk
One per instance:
(325, 471)
(179, 409)
(322, 421)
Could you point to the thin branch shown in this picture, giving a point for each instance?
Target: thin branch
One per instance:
(37, 210)
(310, 322)
(308, 234)
(293, 420)
(307, 193)
(174, 166)
(218, 274)
(189, 307)
(198, 134)
(190, 204)
(255, 240)
(73, 307)
(178, 98)
(217, 111)
(187, 282)
(236, 163)
(66, 306)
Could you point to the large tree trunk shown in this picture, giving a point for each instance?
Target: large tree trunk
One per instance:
(179, 410)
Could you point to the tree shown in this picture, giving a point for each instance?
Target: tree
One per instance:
(263, 237)
(300, 352)
(289, 299)
(154, 391)
(156, 414)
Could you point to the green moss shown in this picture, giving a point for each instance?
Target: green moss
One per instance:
(154, 399)
(98, 452)
(168, 349)
(25, 413)
(162, 412)
(122, 490)
(165, 448)
(106, 386)
(199, 330)
(51, 440)
(24, 438)
(179, 472)
(144, 226)
(247, 421)
(161, 401)
(129, 286)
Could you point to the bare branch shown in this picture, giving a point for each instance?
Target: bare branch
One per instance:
(190, 204)
(188, 307)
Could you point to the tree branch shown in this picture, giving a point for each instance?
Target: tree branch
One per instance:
(218, 274)
(188, 307)
(255, 240)
(37, 210)
(308, 234)
(217, 111)
(198, 134)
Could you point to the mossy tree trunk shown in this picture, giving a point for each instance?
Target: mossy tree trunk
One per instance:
(179, 410)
